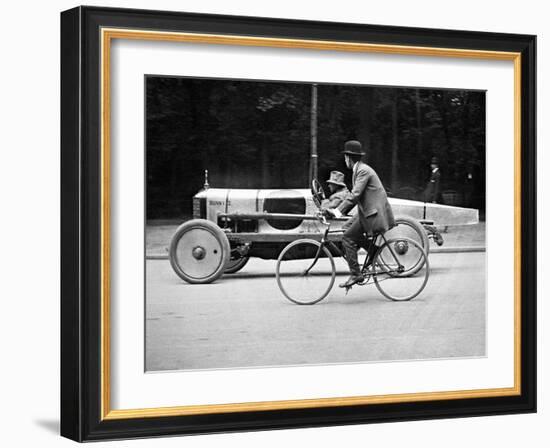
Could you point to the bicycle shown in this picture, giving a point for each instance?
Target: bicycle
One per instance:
(306, 270)
(418, 231)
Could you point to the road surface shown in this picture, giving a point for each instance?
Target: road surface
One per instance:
(243, 320)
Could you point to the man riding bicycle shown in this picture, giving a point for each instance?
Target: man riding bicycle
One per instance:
(374, 213)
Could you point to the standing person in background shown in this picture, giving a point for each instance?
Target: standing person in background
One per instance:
(431, 194)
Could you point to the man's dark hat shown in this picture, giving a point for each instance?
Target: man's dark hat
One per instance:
(435, 160)
(353, 147)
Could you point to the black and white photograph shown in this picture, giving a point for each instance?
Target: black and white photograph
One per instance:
(294, 224)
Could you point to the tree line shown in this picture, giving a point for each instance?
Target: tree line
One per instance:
(251, 134)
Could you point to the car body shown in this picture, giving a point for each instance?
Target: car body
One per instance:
(254, 217)
(231, 225)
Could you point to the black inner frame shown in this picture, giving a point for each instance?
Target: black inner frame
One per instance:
(81, 224)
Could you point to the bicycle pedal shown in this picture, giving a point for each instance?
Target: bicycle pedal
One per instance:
(366, 278)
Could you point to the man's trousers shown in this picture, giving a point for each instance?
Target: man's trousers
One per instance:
(354, 237)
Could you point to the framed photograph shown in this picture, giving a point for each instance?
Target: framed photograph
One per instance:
(273, 223)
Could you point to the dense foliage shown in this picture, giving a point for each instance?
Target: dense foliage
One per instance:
(257, 135)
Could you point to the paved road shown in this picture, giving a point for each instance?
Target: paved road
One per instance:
(243, 320)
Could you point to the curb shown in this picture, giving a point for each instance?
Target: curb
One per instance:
(156, 257)
(457, 249)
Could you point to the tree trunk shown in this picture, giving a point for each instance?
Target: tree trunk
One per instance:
(395, 146)
(366, 115)
(264, 157)
(419, 132)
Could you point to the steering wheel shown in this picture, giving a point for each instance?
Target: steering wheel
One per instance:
(318, 192)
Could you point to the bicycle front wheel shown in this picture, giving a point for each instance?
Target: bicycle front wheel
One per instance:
(401, 274)
(305, 272)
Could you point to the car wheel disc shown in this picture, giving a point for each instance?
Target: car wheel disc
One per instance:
(199, 253)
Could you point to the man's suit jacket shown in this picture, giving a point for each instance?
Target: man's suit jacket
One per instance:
(369, 194)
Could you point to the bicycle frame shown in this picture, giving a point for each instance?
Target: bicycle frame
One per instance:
(332, 247)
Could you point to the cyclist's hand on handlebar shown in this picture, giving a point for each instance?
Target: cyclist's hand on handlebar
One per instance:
(322, 215)
(333, 213)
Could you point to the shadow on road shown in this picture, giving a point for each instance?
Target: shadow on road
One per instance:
(267, 274)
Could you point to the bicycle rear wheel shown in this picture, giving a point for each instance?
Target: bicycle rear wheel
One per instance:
(305, 272)
(401, 275)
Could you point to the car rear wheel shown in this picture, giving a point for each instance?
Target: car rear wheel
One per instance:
(408, 228)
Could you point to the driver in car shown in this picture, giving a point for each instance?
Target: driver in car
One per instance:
(338, 190)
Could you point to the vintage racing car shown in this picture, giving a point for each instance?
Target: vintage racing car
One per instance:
(231, 225)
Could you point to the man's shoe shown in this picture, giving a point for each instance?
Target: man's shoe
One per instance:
(352, 280)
